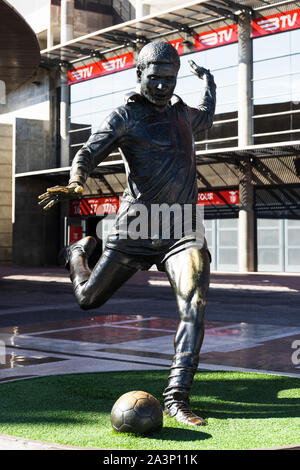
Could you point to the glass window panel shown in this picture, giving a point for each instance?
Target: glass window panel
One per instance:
(79, 109)
(225, 77)
(293, 224)
(296, 87)
(189, 89)
(268, 237)
(273, 90)
(83, 120)
(295, 41)
(208, 224)
(101, 103)
(101, 85)
(228, 107)
(208, 236)
(268, 223)
(227, 99)
(80, 91)
(273, 45)
(228, 238)
(124, 80)
(273, 99)
(294, 237)
(295, 63)
(221, 57)
(294, 256)
(228, 223)
(268, 256)
(271, 68)
(227, 256)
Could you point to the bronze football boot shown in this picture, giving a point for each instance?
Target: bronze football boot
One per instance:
(176, 394)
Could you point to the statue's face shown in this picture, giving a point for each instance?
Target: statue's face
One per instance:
(158, 82)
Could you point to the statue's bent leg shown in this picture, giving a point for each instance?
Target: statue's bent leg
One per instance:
(92, 288)
(189, 274)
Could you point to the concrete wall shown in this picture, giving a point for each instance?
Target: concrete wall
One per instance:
(31, 112)
(36, 234)
(35, 146)
(5, 194)
(36, 99)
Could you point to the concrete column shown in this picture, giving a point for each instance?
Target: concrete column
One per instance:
(245, 130)
(141, 9)
(50, 35)
(66, 34)
(67, 20)
(246, 246)
(50, 38)
(246, 225)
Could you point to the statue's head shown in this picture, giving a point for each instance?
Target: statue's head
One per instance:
(157, 68)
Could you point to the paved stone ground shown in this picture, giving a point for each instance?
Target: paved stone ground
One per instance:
(252, 324)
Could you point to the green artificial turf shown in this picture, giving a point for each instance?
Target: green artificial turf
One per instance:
(243, 410)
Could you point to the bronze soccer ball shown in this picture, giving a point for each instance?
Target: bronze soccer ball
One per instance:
(137, 412)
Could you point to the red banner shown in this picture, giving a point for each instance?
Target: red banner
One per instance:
(94, 206)
(103, 67)
(277, 23)
(216, 37)
(218, 198)
(75, 233)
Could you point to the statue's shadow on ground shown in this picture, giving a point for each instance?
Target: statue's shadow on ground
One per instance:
(182, 434)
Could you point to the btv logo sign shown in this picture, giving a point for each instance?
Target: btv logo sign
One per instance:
(218, 37)
(82, 74)
(103, 67)
(115, 64)
(280, 22)
(276, 23)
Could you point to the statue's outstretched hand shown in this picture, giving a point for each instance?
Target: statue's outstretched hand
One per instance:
(198, 70)
(57, 194)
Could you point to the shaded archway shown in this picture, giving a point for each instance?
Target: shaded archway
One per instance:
(19, 48)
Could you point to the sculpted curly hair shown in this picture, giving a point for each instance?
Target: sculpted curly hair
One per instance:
(157, 52)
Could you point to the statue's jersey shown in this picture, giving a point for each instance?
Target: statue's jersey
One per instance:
(157, 148)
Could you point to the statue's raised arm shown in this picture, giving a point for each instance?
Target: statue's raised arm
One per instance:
(203, 115)
(198, 70)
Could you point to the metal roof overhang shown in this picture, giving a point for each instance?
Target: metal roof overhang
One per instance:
(188, 19)
(234, 155)
(104, 168)
(19, 48)
(104, 176)
(230, 155)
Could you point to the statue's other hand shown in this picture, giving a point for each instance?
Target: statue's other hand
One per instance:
(197, 69)
(58, 193)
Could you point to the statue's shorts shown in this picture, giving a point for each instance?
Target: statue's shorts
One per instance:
(151, 233)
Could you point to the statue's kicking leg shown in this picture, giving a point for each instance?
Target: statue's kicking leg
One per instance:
(92, 288)
(189, 273)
